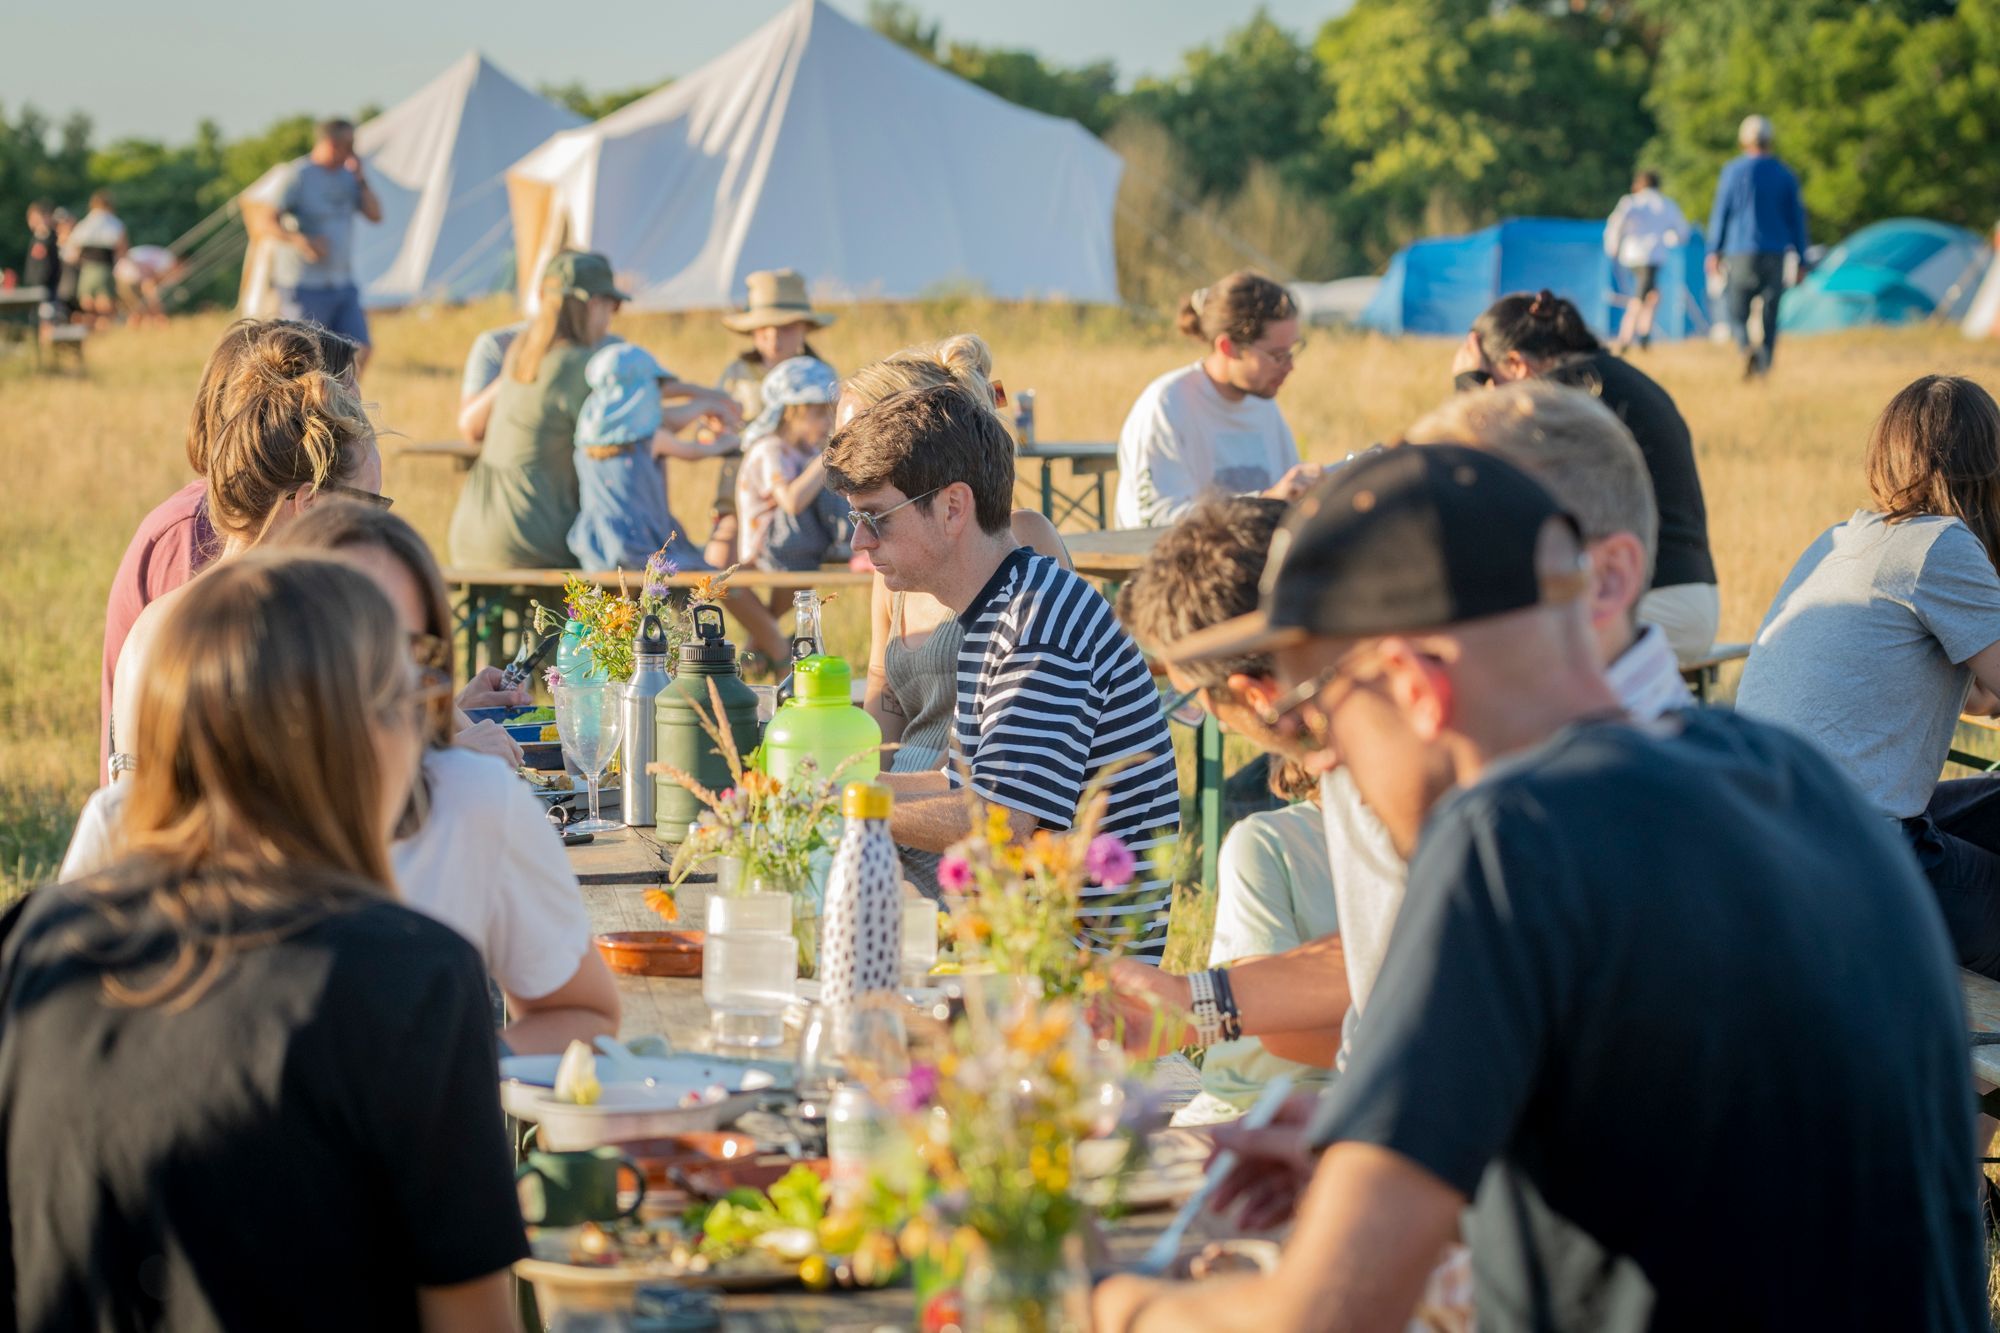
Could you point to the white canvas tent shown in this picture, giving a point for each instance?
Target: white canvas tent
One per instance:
(1982, 317)
(819, 145)
(436, 161)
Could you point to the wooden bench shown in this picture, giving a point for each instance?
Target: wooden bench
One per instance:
(1089, 465)
(481, 597)
(1982, 1010)
(1705, 673)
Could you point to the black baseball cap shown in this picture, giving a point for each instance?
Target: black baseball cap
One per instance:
(1398, 541)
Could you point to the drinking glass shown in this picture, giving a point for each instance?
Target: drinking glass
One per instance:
(588, 718)
(747, 979)
(920, 940)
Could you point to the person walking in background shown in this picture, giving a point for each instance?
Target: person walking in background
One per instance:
(1644, 230)
(41, 266)
(1215, 423)
(95, 245)
(314, 267)
(1756, 219)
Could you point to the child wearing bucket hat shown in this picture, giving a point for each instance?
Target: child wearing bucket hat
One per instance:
(780, 320)
(790, 520)
(622, 437)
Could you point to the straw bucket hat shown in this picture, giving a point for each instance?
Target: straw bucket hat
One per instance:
(777, 297)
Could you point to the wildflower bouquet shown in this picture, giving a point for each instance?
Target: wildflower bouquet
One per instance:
(611, 618)
(1020, 908)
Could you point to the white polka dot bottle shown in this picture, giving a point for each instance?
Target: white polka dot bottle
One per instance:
(861, 924)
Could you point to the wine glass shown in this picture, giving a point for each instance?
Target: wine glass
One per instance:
(588, 718)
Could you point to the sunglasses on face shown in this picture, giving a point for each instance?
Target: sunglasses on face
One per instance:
(874, 522)
(1282, 355)
(1304, 701)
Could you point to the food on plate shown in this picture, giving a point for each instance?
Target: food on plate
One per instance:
(547, 779)
(576, 1076)
(532, 715)
(551, 732)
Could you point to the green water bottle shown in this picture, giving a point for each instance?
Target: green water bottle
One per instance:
(707, 659)
(820, 722)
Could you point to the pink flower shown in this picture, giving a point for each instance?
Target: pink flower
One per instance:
(954, 874)
(1109, 861)
(553, 677)
(917, 1092)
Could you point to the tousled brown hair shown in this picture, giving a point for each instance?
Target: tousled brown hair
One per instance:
(282, 425)
(1204, 570)
(922, 440)
(1936, 450)
(257, 802)
(336, 355)
(1239, 307)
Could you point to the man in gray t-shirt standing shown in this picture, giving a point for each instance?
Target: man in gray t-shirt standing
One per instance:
(313, 269)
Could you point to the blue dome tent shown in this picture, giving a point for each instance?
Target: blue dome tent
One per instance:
(1441, 284)
(1895, 272)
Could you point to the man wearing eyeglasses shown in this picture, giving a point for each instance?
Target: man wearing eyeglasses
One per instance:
(1214, 426)
(1643, 972)
(1054, 702)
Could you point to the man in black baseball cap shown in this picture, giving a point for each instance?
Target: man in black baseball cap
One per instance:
(1639, 977)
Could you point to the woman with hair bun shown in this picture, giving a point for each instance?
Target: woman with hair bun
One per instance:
(272, 432)
(1539, 335)
(913, 640)
(176, 541)
(1214, 425)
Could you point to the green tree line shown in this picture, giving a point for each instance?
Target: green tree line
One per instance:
(1317, 154)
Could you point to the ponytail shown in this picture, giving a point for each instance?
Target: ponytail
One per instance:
(1540, 326)
(1239, 307)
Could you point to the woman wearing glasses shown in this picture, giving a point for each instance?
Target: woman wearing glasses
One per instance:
(914, 640)
(235, 1016)
(1215, 425)
(472, 847)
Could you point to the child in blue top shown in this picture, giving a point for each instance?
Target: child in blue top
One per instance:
(623, 437)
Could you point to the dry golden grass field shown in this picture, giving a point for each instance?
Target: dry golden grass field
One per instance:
(87, 456)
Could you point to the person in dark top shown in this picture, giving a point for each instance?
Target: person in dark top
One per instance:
(1540, 335)
(241, 1087)
(1667, 1005)
(41, 266)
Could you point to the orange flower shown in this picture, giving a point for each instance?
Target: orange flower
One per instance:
(663, 905)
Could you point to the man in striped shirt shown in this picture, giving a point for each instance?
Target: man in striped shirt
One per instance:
(1054, 700)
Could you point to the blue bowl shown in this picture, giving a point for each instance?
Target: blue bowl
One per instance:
(527, 731)
(489, 714)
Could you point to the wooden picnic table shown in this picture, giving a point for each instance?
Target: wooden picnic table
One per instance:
(615, 871)
(1112, 556)
(1090, 463)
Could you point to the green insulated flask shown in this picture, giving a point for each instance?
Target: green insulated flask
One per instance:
(707, 659)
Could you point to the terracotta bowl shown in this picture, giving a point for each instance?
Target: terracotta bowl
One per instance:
(652, 953)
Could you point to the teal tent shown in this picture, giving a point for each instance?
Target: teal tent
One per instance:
(1895, 272)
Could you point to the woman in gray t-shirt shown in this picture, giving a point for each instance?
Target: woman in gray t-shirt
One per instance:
(1889, 626)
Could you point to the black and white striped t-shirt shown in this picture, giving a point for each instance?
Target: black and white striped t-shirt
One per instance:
(1051, 692)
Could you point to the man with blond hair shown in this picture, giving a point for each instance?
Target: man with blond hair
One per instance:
(1682, 952)
(1575, 446)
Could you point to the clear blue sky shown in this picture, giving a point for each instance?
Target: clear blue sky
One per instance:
(141, 67)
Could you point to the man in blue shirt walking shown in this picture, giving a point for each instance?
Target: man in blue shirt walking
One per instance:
(313, 267)
(1756, 219)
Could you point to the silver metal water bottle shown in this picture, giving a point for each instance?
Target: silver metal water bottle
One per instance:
(649, 677)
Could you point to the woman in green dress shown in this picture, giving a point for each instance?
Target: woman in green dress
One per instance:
(520, 498)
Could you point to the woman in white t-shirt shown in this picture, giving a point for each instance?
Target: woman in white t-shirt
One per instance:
(1888, 627)
(474, 849)
(1215, 424)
